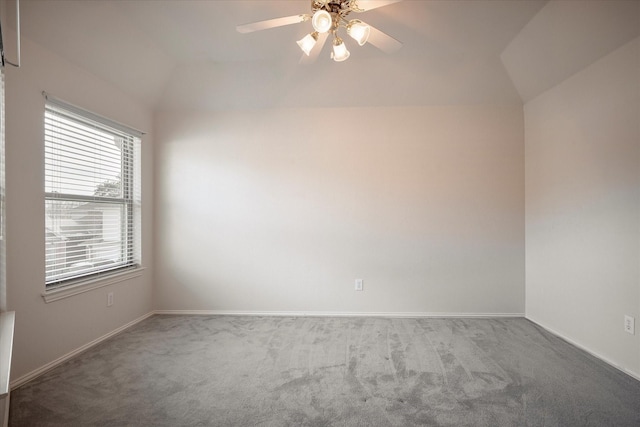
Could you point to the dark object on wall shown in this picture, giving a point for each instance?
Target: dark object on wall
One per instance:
(1, 47)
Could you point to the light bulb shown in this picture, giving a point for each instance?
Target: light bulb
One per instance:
(321, 21)
(340, 52)
(308, 42)
(359, 31)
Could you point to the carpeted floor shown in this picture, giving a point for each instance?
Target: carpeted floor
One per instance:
(285, 371)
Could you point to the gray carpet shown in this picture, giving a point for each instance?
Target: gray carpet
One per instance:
(284, 371)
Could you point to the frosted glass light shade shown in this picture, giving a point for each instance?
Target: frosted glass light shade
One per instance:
(340, 52)
(359, 31)
(321, 21)
(308, 42)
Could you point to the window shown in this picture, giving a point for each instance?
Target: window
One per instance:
(92, 197)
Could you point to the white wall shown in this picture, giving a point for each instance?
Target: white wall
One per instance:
(583, 207)
(280, 210)
(45, 332)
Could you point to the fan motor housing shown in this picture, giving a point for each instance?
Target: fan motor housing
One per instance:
(338, 7)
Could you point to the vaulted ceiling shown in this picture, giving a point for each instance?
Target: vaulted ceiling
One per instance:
(174, 54)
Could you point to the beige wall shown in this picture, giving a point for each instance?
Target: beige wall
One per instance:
(583, 207)
(280, 210)
(45, 332)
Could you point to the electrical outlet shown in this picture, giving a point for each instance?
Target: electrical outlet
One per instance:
(109, 299)
(629, 325)
(358, 284)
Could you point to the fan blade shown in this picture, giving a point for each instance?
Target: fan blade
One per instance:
(365, 5)
(271, 23)
(383, 41)
(315, 52)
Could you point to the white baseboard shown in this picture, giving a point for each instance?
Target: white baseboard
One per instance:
(5, 403)
(631, 373)
(332, 314)
(41, 370)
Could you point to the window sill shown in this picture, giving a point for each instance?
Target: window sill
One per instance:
(89, 285)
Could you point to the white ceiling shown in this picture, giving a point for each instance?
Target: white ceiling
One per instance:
(565, 37)
(173, 54)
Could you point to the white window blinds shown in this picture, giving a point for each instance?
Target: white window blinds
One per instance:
(92, 195)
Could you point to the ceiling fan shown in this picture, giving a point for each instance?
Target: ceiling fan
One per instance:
(326, 17)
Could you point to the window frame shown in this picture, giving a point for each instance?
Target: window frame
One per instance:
(130, 264)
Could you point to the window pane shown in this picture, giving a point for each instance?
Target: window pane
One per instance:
(84, 237)
(80, 159)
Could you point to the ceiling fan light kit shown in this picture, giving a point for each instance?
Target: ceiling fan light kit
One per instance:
(326, 17)
(330, 15)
